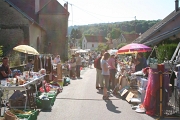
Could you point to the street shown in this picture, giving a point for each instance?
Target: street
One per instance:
(82, 101)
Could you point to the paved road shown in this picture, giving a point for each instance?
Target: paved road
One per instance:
(81, 101)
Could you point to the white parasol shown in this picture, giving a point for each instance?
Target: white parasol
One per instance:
(26, 49)
(81, 51)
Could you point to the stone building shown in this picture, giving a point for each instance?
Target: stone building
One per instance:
(41, 24)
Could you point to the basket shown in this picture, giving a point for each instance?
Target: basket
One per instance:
(9, 116)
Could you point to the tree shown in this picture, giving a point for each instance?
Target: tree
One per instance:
(80, 42)
(78, 34)
(73, 33)
(115, 33)
(113, 30)
(102, 46)
(1, 51)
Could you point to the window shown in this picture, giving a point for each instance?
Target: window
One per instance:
(92, 45)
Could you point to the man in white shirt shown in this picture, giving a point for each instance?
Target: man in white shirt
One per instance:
(78, 65)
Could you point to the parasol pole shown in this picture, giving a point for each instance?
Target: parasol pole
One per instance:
(152, 51)
(160, 69)
(26, 60)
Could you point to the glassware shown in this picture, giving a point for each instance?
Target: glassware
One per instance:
(4, 82)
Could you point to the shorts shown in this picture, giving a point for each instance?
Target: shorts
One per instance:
(106, 81)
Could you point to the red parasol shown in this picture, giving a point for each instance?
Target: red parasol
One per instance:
(133, 48)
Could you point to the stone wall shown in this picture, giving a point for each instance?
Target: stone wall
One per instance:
(9, 16)
(13, 27)
(17, 29)
(56, 29)
(37, 37)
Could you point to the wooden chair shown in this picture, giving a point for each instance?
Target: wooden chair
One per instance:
(31, 99)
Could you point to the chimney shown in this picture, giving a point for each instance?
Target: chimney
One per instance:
(176, 5)
(37, 5)
(66, 6)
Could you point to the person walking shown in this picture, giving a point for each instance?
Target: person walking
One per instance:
(99, 77)
(105, 73)
(78, 65)
(90, 61)
(72, 67)
(112, 69)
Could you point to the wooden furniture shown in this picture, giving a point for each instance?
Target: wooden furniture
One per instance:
(31, 99)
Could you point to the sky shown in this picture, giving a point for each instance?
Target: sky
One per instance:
(84, 12)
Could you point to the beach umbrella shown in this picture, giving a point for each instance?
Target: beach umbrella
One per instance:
(26, 49)
(133, 48)
(81, 51)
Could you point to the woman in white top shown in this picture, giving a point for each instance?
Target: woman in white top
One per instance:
(57, 59)
(105, 73)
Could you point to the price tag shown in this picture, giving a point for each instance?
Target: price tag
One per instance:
(129, 96)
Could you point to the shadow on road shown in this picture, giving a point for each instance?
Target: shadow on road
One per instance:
(84, 99)
(46, 110)
(111, 107)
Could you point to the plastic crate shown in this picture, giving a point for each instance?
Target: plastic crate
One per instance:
(32, 116)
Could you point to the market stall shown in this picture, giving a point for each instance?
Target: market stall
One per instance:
(30, 87)
(152, 90)
(129, 81)
(20, 84)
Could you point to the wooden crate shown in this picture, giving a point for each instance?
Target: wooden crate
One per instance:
(18, 102)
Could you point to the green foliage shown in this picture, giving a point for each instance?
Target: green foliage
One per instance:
(165, 51)
(113, 30)
(9, 39)
(76, 34)
(1, 51)
(80, 42)
(115, 33)
(15, 59)
(101, 47)
(121, 45)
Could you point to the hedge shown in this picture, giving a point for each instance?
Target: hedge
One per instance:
(165, 52)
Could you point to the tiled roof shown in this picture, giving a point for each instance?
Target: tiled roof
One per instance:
(130, 37)
(53, 7)
(93, 38)
(23, 13)
(162, 36)
(28, 7)
(156, 27)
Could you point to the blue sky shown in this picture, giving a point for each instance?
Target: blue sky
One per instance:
(83, 12)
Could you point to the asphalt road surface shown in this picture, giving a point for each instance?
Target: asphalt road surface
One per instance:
(82, 101)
